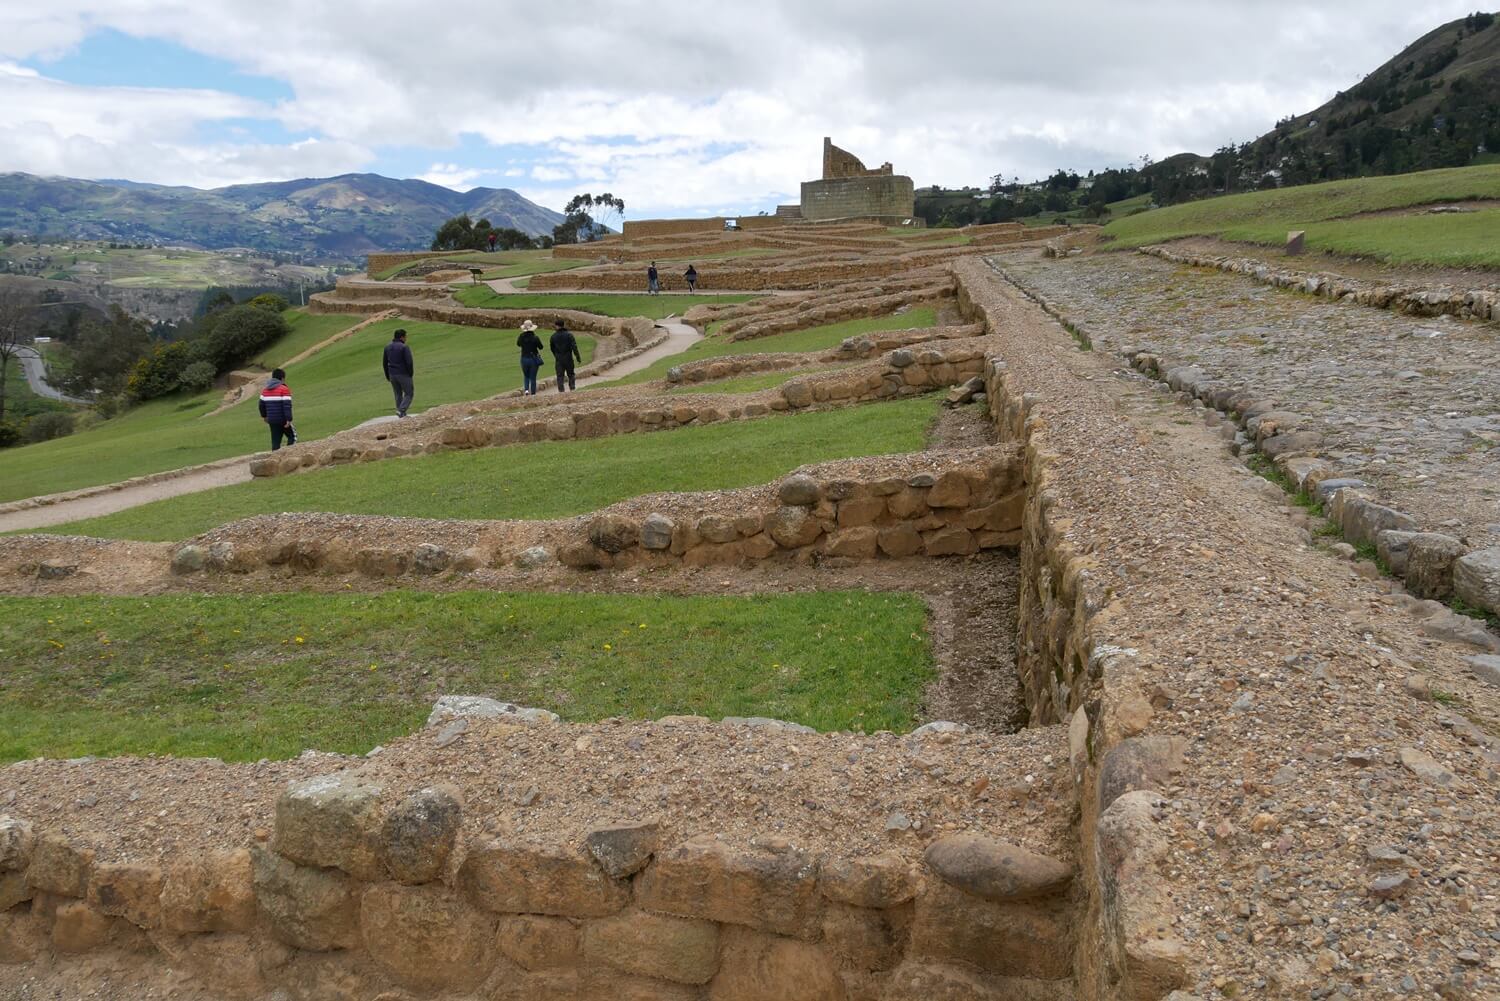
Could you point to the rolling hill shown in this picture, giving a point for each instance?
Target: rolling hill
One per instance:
(1435, 104)
(328, 218)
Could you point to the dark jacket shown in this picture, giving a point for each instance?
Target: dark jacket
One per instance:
(530, 345)
(276, 403)
(397, 360)
(564, 344)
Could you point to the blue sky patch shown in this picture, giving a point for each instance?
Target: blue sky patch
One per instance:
(110, 58)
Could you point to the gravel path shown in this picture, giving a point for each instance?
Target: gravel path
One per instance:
(36, 376)
(1409, 404)
(1332, 831)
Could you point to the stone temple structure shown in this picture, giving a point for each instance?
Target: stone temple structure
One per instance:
(850, 190)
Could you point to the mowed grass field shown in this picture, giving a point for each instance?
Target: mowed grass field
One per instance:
(654, 306)
(1325, 211)
(811, 339)
(245, 677)
(543, 479)
(333, 390)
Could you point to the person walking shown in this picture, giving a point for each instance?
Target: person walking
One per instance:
(564, 350)
(399, 369)
(276, 410)
(653, 280)
(491, 239)
(691, 275)
(531, 357)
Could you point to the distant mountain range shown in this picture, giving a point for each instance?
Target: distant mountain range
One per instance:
(322, 218)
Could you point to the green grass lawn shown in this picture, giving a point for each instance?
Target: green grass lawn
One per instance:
(1268, 215)
(811, 339)
(654, 306)
(543, 479)
(307, 330)
(1469, 239)
(334, 390)
(541, 265)
(245, 677)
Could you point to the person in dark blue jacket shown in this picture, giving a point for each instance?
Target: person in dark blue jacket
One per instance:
(398, 367)
(276, 410)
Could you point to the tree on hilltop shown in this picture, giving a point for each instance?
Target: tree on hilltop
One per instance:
(579, 224)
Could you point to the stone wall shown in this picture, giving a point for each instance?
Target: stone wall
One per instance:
(378, 262)
(746, 275)
(889, 196)
(634, 229)
(1000, 238)
(636, 330)
(1433, 564)
(1481, 303)
(366, 887)
(850, 349)
(1072, 668)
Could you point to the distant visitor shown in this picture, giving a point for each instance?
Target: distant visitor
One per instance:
(691, 276)
(531, 357)
(653, 282)
(399, 369)
(564, 351)
(276, 410)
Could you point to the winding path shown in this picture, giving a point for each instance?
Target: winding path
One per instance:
(35, 368)
(99, 501)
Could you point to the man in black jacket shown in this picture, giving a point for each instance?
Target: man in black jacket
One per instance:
(564, 350)
(398, 367)
(276, 409)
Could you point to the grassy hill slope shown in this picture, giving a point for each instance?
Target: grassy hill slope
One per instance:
(1340, 216)
(333, 390)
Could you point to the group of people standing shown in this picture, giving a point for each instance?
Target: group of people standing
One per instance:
(399, 369)
(653, 279)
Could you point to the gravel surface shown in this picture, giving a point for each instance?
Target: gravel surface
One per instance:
(828, 793)
(1409, 404)
(1285, 671)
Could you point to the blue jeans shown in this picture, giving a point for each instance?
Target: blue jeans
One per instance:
(529, 369)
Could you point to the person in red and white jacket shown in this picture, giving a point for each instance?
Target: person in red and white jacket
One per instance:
(276, 410)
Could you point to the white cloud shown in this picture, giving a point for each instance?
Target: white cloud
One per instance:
(681, 107)
(452, 175)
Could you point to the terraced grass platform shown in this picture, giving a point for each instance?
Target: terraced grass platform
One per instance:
(334, 390)
(543, 479)
(250, 676)
(811, 339)
(654, 306)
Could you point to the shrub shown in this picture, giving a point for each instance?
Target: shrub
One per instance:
(9, 434)
(45, 427)
(160, 372)
(197, 377)
(241, 332)
(271, 301)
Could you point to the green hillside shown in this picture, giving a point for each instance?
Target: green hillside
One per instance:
(1434, 104)
(334, 390)
(1339, 216)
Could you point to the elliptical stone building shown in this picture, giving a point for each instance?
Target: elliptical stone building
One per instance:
(850, 190)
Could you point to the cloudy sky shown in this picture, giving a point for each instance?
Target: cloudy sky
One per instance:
(678, 108)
